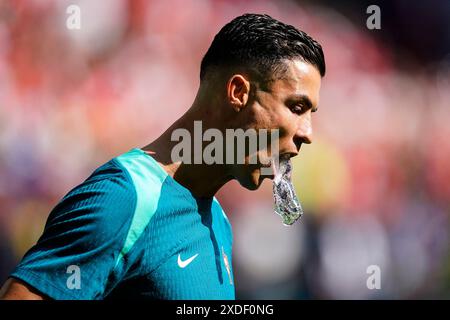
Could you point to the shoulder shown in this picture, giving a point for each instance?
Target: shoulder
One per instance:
(114, 192)
(97, 208)
(94, 226)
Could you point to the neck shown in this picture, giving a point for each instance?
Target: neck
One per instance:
(202, 180)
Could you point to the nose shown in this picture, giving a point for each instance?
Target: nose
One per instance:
(304, 131)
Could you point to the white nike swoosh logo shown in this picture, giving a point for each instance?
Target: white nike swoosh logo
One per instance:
(183, 264)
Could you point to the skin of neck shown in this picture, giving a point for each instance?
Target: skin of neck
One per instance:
(202, 180)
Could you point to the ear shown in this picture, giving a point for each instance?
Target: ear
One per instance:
(238, 91)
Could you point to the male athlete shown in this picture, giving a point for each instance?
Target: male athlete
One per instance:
(145, 226)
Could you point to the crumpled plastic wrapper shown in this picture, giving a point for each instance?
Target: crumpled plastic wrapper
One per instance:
(286, 203)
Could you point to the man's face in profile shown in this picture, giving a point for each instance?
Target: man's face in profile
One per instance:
(286, 104)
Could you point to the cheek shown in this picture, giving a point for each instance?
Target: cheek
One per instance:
(279, 119)
(267, 114)
(273, 115)
(287, 123)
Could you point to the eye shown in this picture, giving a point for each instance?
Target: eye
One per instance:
(297, 108)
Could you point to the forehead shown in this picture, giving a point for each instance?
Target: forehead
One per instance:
(300, 78)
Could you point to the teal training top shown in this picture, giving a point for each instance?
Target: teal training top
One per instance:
(131, 231)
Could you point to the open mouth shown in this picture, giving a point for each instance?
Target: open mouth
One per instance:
(270, 166)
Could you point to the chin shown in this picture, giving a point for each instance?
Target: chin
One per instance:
(253, 181)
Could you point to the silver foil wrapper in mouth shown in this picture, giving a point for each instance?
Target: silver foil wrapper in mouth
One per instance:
(286, 203)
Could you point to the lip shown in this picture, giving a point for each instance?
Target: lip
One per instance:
(281, 156)
(288, 155)
(267, 164)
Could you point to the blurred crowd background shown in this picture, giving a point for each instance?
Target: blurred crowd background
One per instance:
(375, 183)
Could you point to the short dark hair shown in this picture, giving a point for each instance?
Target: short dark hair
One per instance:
(260, 44)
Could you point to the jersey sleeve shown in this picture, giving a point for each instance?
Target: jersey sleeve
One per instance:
(76, 256)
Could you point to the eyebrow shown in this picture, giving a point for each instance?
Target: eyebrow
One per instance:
(304, 99)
